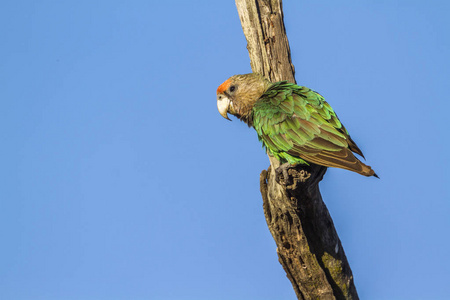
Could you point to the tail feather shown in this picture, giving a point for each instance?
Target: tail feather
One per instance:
(343, 159)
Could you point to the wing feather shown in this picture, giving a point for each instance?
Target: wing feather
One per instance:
(297, 124)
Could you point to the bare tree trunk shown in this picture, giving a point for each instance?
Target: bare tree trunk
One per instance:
(308, 246)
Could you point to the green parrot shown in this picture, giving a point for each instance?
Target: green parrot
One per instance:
(294, 123)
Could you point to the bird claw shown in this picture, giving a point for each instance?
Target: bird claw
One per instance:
(303, 175)
(282, 174)
(289, 176)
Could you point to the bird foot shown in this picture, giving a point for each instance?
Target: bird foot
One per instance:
(303, 175)
(288, 175)
(282, 174)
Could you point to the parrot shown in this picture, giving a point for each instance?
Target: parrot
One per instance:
(294, 123)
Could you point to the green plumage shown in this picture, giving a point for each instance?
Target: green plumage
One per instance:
(294, 123)
(297, 126)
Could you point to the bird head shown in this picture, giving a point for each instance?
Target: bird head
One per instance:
(238, 94)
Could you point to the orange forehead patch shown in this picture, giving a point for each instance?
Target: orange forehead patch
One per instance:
(224, 86)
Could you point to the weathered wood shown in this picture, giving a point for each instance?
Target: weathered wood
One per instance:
(267, 43)
(308, 246)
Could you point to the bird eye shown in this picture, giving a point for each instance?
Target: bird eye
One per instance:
(232, 88)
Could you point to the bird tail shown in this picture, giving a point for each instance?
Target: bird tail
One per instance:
(366, 170)
(343, 159)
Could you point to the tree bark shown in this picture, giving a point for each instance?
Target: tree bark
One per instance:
(308, 246)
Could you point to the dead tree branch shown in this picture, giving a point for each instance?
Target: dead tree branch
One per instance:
(308, 246)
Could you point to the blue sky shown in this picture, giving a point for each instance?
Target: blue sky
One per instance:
(120, 180)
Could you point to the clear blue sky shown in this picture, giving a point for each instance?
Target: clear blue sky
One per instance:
(120, 180)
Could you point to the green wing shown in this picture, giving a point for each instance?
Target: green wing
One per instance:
(297, 125)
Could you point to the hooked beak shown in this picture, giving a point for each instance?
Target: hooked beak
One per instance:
(223, 104)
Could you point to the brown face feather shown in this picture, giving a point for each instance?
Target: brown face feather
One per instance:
(243, 91)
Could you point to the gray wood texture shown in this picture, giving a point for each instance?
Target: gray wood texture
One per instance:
(308, 246)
